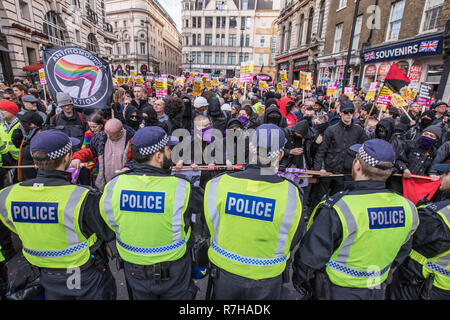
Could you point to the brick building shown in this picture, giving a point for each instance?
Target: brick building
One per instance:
(409, 33)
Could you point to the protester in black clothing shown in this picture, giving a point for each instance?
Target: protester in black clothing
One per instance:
(151, 118)
(132, 117)
(272, 115)
(421, 152)
(414, 113)
(425, 120)
(334, 155)
(174, 109)
(139, 101)
(246, 116)
(187, 112)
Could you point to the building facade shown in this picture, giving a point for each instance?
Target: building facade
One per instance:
(302, 28)
(148, 38)
(28, 26)
(409, 33)
(219, 35)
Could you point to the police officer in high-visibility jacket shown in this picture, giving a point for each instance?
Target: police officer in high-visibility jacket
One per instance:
(150, 212)
(357, 236)
(425, 274)
(59, 224)
(252, 217)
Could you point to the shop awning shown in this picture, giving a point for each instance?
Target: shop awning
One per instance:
(33, 67)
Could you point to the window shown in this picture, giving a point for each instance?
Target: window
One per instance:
(342, 4)
(119, 49)
(232, 40)
(208, 57)
(283, 36)
(395, 21)
(337, 38)
(142, 45)
(208, 22)
(241, 42)
(231, 58)
(194, 22)
(199, 22)
(186, 23)
(127, 48)
(218, 20)
(310, 22)
(242, 23)
(208, 39)
(233, 22)
(221, 5)
(78, 35)
(300, 30)
(247, 40)
(197, 56)
(262, 41)
(321, 18)
(92, 44)
(194, 39)
(142, 23)
(261, 59)
(220, 39)
(244, 5)
(289, 37)
(432, 13)
(248, 24)
(220, 57)
(52, 28)
(246, 56)
(222, 42)
(241, 57)
(124, 23)
(217, 58)
(198, 4)
(224, 22)
(24, 9)
(199, 39)
(357, 33)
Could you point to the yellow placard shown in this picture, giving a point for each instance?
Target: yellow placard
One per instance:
(133, 73)
(139, 80)
(41, 74)
(398, 101)
(161, 84)
(204, 80)
(296, 84)
(235, 80)
(198, 87)
(263, 85)
(229, 83)
(283, 76)
(279, 87)
(216, 82)
(246, 68)
(208, 84)
(240, 84)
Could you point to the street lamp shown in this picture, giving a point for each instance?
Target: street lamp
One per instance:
(147, 23)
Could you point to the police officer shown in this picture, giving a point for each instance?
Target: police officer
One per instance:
(59, 224)
(357, 236)
(252, 217)
(150, 213)
(425, 274)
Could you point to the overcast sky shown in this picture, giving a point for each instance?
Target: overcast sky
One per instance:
(173, 7)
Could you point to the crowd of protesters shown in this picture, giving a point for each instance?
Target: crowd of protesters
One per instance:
(320, 129)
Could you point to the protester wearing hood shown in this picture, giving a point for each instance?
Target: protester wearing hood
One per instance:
(286, 104)
(425, 120)
(174, 109)
(216, 116)
(30, 104)
(272, 115)
(150, 118)
(188, 113)
(421, 152)
(246, 116)
(236, 129)
(132, 117)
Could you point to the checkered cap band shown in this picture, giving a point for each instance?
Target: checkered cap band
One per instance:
(145, 151)
(367, 158)
(270, 155)
(61, 152)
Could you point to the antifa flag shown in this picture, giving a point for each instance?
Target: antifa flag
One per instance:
(415, 189)
(396, 79)
(83, 75)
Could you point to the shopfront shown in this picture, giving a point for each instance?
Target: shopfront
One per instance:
(421, 60)
(300, 64)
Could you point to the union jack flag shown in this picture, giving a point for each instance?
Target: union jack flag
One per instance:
(369, 56)
(428, 46)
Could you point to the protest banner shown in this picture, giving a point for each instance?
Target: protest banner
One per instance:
(139, 80)
(397, 101)
(350, 92)
(331, 88)
(216, 82)
(305, 81)
(161, 88)
(279, 87)
(296, 84)
(208, 84)
(384, 98)
(246, 72)
(372, 91)
(283, 79)
(81, 74)
(263, 85)
(198, 87)
(424, 95)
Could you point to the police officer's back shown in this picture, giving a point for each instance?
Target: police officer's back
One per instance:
(425, 273)
(59, 224)
(149, 211)
(355, 237)
(252, 217)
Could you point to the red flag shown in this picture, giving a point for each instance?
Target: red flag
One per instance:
(415, 189)
(396, 79)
